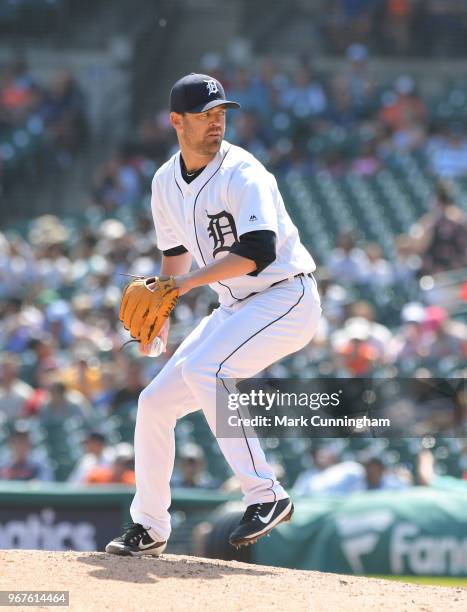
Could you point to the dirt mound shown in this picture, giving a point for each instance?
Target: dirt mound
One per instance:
(98, 581)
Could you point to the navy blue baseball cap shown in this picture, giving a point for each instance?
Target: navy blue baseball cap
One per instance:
(197, 93)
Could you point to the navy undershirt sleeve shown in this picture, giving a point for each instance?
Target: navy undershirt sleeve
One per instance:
(260, 246)
(178, 250)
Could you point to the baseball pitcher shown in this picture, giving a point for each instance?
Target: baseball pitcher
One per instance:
(215, 202)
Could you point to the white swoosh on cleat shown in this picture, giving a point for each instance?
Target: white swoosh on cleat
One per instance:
(142, 546)
(266, 519)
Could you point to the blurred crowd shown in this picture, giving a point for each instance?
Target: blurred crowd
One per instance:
(305, 122)
(61, 343)
(422, 28)
(61, 355)
(333, 471)
(55, 111)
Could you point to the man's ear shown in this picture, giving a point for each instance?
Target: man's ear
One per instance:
(176, 119)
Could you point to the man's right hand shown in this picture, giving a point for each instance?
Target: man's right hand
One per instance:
(146, 349)
(164, 333)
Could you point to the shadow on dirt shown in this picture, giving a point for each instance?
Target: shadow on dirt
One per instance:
(148, 570)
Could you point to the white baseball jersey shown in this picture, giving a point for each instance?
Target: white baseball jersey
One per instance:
(234, 194)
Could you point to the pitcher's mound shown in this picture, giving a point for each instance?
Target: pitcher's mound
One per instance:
(97, 581)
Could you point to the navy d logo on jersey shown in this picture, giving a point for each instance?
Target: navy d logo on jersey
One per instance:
(212, 86)
(220, 226)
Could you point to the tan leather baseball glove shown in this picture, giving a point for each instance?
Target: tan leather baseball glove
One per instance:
(143, 311)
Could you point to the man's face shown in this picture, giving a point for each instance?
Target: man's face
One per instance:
(21, 447)
(8, 373)
(201, 133)
(190, 469)
(374, 473)
(94, 446)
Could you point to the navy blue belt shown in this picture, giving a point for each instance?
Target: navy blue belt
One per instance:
(301, 274)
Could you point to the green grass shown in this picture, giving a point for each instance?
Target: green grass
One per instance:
(447, 581)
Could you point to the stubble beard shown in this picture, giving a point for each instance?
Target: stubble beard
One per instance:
(210, 146)
(207, 147)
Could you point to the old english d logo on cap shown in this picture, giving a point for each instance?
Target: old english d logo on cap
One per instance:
(212, 86)
(197, 93)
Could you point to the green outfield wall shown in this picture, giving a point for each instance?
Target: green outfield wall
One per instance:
(419, 531)
(63, 517)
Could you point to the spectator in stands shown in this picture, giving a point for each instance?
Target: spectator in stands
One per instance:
(367, 162)
(84, 375)
(410, 343)
(19, 94)
(341, 478)
(120, 471)
(409, 136)
(306, 96)
(22, 464)
(269, 81)
(403, 107)
(321, 457)
(42, 356)
(341, 109)
(85, 246)
(119, 181)
(85, 308)
(427, 476)
(379, 477)
(251, 135)
(96, 454)
(14, 392)
(22, 321)
(378, 273)
(63, 113)
(347, 263)
(247, 91)
(406, 264)
(397, 19)
(353, 350)
(58, 323)
(440, 236)
(52, 266)
(334, 298)
(446, 338)
(127, 392)
(379, 336)
(16, 266)
(448, 152)
(102, 401)
(191, 470)
(63, 405)
(359, 80)
(156, 138)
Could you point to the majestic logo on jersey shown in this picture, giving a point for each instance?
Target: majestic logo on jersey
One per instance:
(212, 86)
(220, 226)
(253, 218)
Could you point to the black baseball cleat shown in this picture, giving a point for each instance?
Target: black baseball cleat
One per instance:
(135, 542)
(259, 519)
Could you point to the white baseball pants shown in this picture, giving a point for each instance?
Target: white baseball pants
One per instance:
(233, 342)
